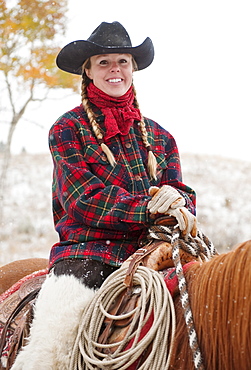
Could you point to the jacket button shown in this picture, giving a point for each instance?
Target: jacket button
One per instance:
(128, 145)
(137, 178)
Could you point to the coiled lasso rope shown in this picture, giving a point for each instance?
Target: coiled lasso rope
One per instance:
(154, 298)
(200, 247)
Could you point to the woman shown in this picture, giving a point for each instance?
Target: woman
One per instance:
(115, 172)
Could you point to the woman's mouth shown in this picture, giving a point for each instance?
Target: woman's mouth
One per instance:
(115, 80)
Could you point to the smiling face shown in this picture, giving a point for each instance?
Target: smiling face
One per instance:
(111, 73)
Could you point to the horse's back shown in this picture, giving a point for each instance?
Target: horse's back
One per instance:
(16, 270)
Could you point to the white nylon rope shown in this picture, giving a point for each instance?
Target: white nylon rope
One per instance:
(155, 297)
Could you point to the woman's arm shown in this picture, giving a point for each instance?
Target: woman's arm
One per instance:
(84, 197)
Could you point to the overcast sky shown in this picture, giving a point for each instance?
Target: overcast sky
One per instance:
(199, 85)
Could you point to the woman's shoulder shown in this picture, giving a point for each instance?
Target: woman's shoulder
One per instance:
(73, 118)
(156, 128)
(76, 113)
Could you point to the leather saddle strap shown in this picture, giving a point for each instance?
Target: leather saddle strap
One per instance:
(133, 264)
(18, 337)
(136, 259)
(123, 299)
(29, 297)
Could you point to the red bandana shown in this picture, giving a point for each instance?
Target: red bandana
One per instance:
(119, 112)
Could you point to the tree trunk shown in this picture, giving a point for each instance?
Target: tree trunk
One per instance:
(7, 154)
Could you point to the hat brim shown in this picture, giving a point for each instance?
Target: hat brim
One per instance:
(73, 55)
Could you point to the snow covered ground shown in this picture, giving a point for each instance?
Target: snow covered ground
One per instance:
(223, 197)
(223, 203)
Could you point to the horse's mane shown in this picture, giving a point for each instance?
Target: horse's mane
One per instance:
(219, 292)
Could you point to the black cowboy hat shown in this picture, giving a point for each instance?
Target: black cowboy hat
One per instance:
(107, 38)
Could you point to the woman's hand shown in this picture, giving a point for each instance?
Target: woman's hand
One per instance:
(164, 198)
(186, 220)
(167, 200)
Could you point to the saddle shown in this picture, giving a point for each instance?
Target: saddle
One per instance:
(157, 255)
(16, 314)
(16, 310)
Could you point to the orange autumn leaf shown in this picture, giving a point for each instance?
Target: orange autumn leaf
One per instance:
(29, 42)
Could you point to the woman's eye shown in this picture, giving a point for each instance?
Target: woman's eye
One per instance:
(104, 62)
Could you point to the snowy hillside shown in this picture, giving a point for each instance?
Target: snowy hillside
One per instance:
(223, 197)
(223, 203)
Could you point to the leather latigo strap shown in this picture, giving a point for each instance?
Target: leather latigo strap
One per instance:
(137, 259)
(115, 330)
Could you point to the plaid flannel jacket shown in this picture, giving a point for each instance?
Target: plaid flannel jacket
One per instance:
(100, 212)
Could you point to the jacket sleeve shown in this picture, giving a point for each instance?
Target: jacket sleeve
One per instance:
(173, 176)
(161, 139)
(82, 196)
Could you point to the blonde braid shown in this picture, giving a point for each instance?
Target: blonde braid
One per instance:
(93, 122)
(152, 162)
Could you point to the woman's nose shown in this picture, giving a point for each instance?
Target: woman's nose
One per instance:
(115, 67)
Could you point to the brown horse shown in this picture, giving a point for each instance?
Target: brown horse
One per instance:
(220, 299)
(219, 293)
(16, 270)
